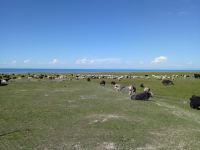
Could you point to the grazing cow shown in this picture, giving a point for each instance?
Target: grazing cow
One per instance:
(142, 85)
(113, 83)
(131, 89)
(103, 83)
(88, 79)
(167, 82)
(51, 77)
(142, 96)
(41, 76)
(77, 77)
(195, 102)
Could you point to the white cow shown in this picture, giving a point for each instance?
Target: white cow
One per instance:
(3, 82)
(117, 87)
(131, 89)
(146, 89)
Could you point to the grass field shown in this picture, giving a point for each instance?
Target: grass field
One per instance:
(50, 114)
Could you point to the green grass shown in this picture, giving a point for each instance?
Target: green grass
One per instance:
(45, 114)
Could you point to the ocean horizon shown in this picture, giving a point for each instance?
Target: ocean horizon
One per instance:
(34, 70)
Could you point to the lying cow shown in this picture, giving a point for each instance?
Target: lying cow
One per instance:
(3, 82)
(117, 87)
(142, 96)
(195, 102)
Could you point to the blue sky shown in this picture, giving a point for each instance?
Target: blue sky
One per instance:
(126, 34)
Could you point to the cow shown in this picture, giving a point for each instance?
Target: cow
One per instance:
(195, 102)
(117, 87)
(3, 82)
(167, 82)
(142, 85)
(146, 89)
(142, 96)
(131, 89)
(113, 83)
(77, 77)
(103, 83)
(196, 75)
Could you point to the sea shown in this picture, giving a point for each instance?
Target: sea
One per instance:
(28, 70)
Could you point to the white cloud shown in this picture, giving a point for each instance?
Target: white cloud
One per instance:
(84, 61)
(100, 61)
(26, 61)
(13, 62)
(160, 59)
(55, 61)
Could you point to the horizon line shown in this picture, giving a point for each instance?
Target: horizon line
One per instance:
(99, 68)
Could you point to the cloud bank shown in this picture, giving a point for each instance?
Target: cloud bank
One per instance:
(100, 61)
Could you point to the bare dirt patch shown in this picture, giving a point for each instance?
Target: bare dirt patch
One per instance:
(100, 118)
(147, 147)
(106, 146)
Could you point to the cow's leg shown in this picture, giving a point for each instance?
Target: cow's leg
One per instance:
(130, 92)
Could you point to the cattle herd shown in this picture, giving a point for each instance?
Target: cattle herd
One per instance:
(145, 95)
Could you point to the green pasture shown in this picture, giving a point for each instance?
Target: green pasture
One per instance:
(80, 115)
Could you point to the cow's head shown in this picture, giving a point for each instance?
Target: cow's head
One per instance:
(150, 94)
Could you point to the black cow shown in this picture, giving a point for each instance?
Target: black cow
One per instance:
(195, 102)
(103, 83)
(88, 79)
(167, 82)
(113, 83)
(142, 85)
(196, 75)
(142, 96)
